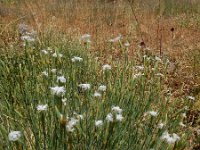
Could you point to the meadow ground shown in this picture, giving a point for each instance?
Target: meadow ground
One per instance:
(103, 74)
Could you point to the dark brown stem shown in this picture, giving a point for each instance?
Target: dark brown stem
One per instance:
(135, 17)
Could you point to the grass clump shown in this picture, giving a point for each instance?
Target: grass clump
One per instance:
(56, 96)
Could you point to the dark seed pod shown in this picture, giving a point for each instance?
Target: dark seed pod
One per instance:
(142, 44)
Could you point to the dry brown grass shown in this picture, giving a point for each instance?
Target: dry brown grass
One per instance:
(107, 19)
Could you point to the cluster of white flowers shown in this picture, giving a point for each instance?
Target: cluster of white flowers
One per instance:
(27, 38)
(98, 123)
(14, 135)
(106, 67)
(42, 107)
(117, 109)
(138, 71)
(26, 34)
(116, 114)
(70, 124)
(153, 113)
(102, 88)
(170, 139)
(61, 79)
(58, 90)
(77, 59)
(85, 86)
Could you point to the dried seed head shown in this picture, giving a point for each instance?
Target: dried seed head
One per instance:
(142, 44)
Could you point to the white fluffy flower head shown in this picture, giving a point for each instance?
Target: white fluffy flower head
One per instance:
(119, 117)
(85, 86)
(170, 139)
(153, 113)
(191, 98)
(44, 51)
(77, 59)
(14, 135)
(117, 109)
(98, 123)
(42, 107)
(102, 88)
(53, 70)
(71, 123)
(27, 38)
(106, 67)
(45, 73)
(58, 90)
(161, 125)
(97, 94)
(61, 79)
(109, 117)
